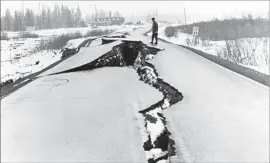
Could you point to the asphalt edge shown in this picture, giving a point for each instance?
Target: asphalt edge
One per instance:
(247, 72)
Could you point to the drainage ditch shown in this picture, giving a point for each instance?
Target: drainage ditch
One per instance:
(159, 146)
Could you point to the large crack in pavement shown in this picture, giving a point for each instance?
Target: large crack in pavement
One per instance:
(159, 146)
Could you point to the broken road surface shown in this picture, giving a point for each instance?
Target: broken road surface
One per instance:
(90, 116)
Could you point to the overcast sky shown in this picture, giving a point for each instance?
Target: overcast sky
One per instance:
(202, 9)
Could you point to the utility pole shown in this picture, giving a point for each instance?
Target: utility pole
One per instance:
(185, 16)
(22, 20)
(39, 13)
(43, 17)
(95, 12)
(156, 13)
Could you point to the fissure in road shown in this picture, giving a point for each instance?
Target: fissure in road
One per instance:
(159, 146)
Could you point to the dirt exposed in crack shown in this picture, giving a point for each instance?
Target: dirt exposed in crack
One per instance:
(159, 146)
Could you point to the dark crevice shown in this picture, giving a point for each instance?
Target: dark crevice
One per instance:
(121, 55)
(165, 157)
(153, 114)
(116, 36)
(107, 41)
(147, 146)
(135, 53)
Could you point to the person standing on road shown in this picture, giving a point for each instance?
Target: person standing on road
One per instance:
(154, 31)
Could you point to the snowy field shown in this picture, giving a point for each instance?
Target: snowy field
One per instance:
(82, 30)
(258, 48)
(18, 58)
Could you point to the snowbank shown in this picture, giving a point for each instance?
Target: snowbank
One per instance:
(249, 52)
(74, 43)
(30, 64)
(15, 48)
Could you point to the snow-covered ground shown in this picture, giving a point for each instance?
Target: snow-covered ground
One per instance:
(82, 30)
(18, 58)
(74, 43)
(258, 47)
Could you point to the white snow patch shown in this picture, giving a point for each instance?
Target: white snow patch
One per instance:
(162, 161)
(82, 30)
(155, 129)
(166, 103)
(17, 48)
(19, 60)
(257, 46)
(155, 153)
(27, 65)
(96, 42)
(74, 43)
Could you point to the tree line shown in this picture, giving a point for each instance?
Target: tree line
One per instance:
(58, 17)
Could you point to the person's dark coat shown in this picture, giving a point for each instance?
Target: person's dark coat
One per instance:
(155, 27)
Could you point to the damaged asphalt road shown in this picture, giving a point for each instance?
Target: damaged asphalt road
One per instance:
(159, 145)
(109, 115)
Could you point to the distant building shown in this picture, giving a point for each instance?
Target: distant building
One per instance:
(30, 28)
(105, 21)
